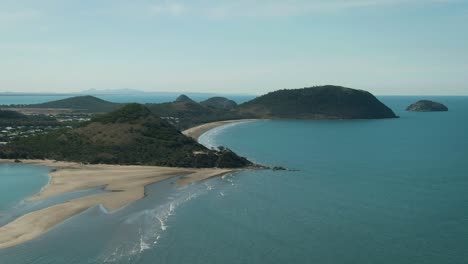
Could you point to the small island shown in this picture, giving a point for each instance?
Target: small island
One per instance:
(427, 106)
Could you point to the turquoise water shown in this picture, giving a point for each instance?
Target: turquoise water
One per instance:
(362, 191)
(20, 181)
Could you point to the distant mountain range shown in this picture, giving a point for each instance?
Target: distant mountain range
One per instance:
(94, 91)
(112, 91)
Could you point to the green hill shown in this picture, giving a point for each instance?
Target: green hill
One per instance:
(323, 102)
(219, 103)
(129, 135)
(183, 98)
(87, 103)
(186, 113)
(179, 108)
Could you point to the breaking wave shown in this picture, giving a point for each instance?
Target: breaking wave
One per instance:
(142, 230)
(208, 138)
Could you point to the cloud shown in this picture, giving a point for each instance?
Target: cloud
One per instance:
(7, 17)
(271, 8)
(168, 8)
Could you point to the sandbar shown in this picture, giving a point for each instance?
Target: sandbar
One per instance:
(124, 185)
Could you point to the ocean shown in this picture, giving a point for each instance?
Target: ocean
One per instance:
(357, 191)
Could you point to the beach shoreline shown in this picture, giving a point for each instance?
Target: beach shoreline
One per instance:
(197, 131)
(124, 184)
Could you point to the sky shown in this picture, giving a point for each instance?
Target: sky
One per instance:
(388, 47)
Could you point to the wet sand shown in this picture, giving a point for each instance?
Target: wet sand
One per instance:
(125, 184)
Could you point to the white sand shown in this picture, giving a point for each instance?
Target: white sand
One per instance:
(196, 132)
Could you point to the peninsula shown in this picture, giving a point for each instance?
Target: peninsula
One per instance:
(126, 147)
(131, 135)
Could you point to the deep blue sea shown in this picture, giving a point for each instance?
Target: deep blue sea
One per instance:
(361, 191)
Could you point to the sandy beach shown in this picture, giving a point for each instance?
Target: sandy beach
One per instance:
(124, 185)
(196, 132)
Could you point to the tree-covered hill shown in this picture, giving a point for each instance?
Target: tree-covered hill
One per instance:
(187, 113)
(87, 103)
(322, 102)
(129, 135)
(219, 103)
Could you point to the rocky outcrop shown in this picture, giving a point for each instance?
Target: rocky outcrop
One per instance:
(427, 106)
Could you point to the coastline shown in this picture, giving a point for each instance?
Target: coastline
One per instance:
(123, 185)
(196, 132)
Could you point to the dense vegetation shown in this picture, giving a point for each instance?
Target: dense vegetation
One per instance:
(129, 135)
(13, 118)
(322, 102)
(88, 104)
(150, 135)
(6, 114)
(219, 103)
(189, 113)
(183, 113)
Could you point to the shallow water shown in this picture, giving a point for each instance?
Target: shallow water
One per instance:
(18, 181)
(362, 191)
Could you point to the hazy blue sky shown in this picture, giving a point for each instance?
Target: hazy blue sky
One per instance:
(242, 46)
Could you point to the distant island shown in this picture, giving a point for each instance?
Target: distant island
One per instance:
(427, 106)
